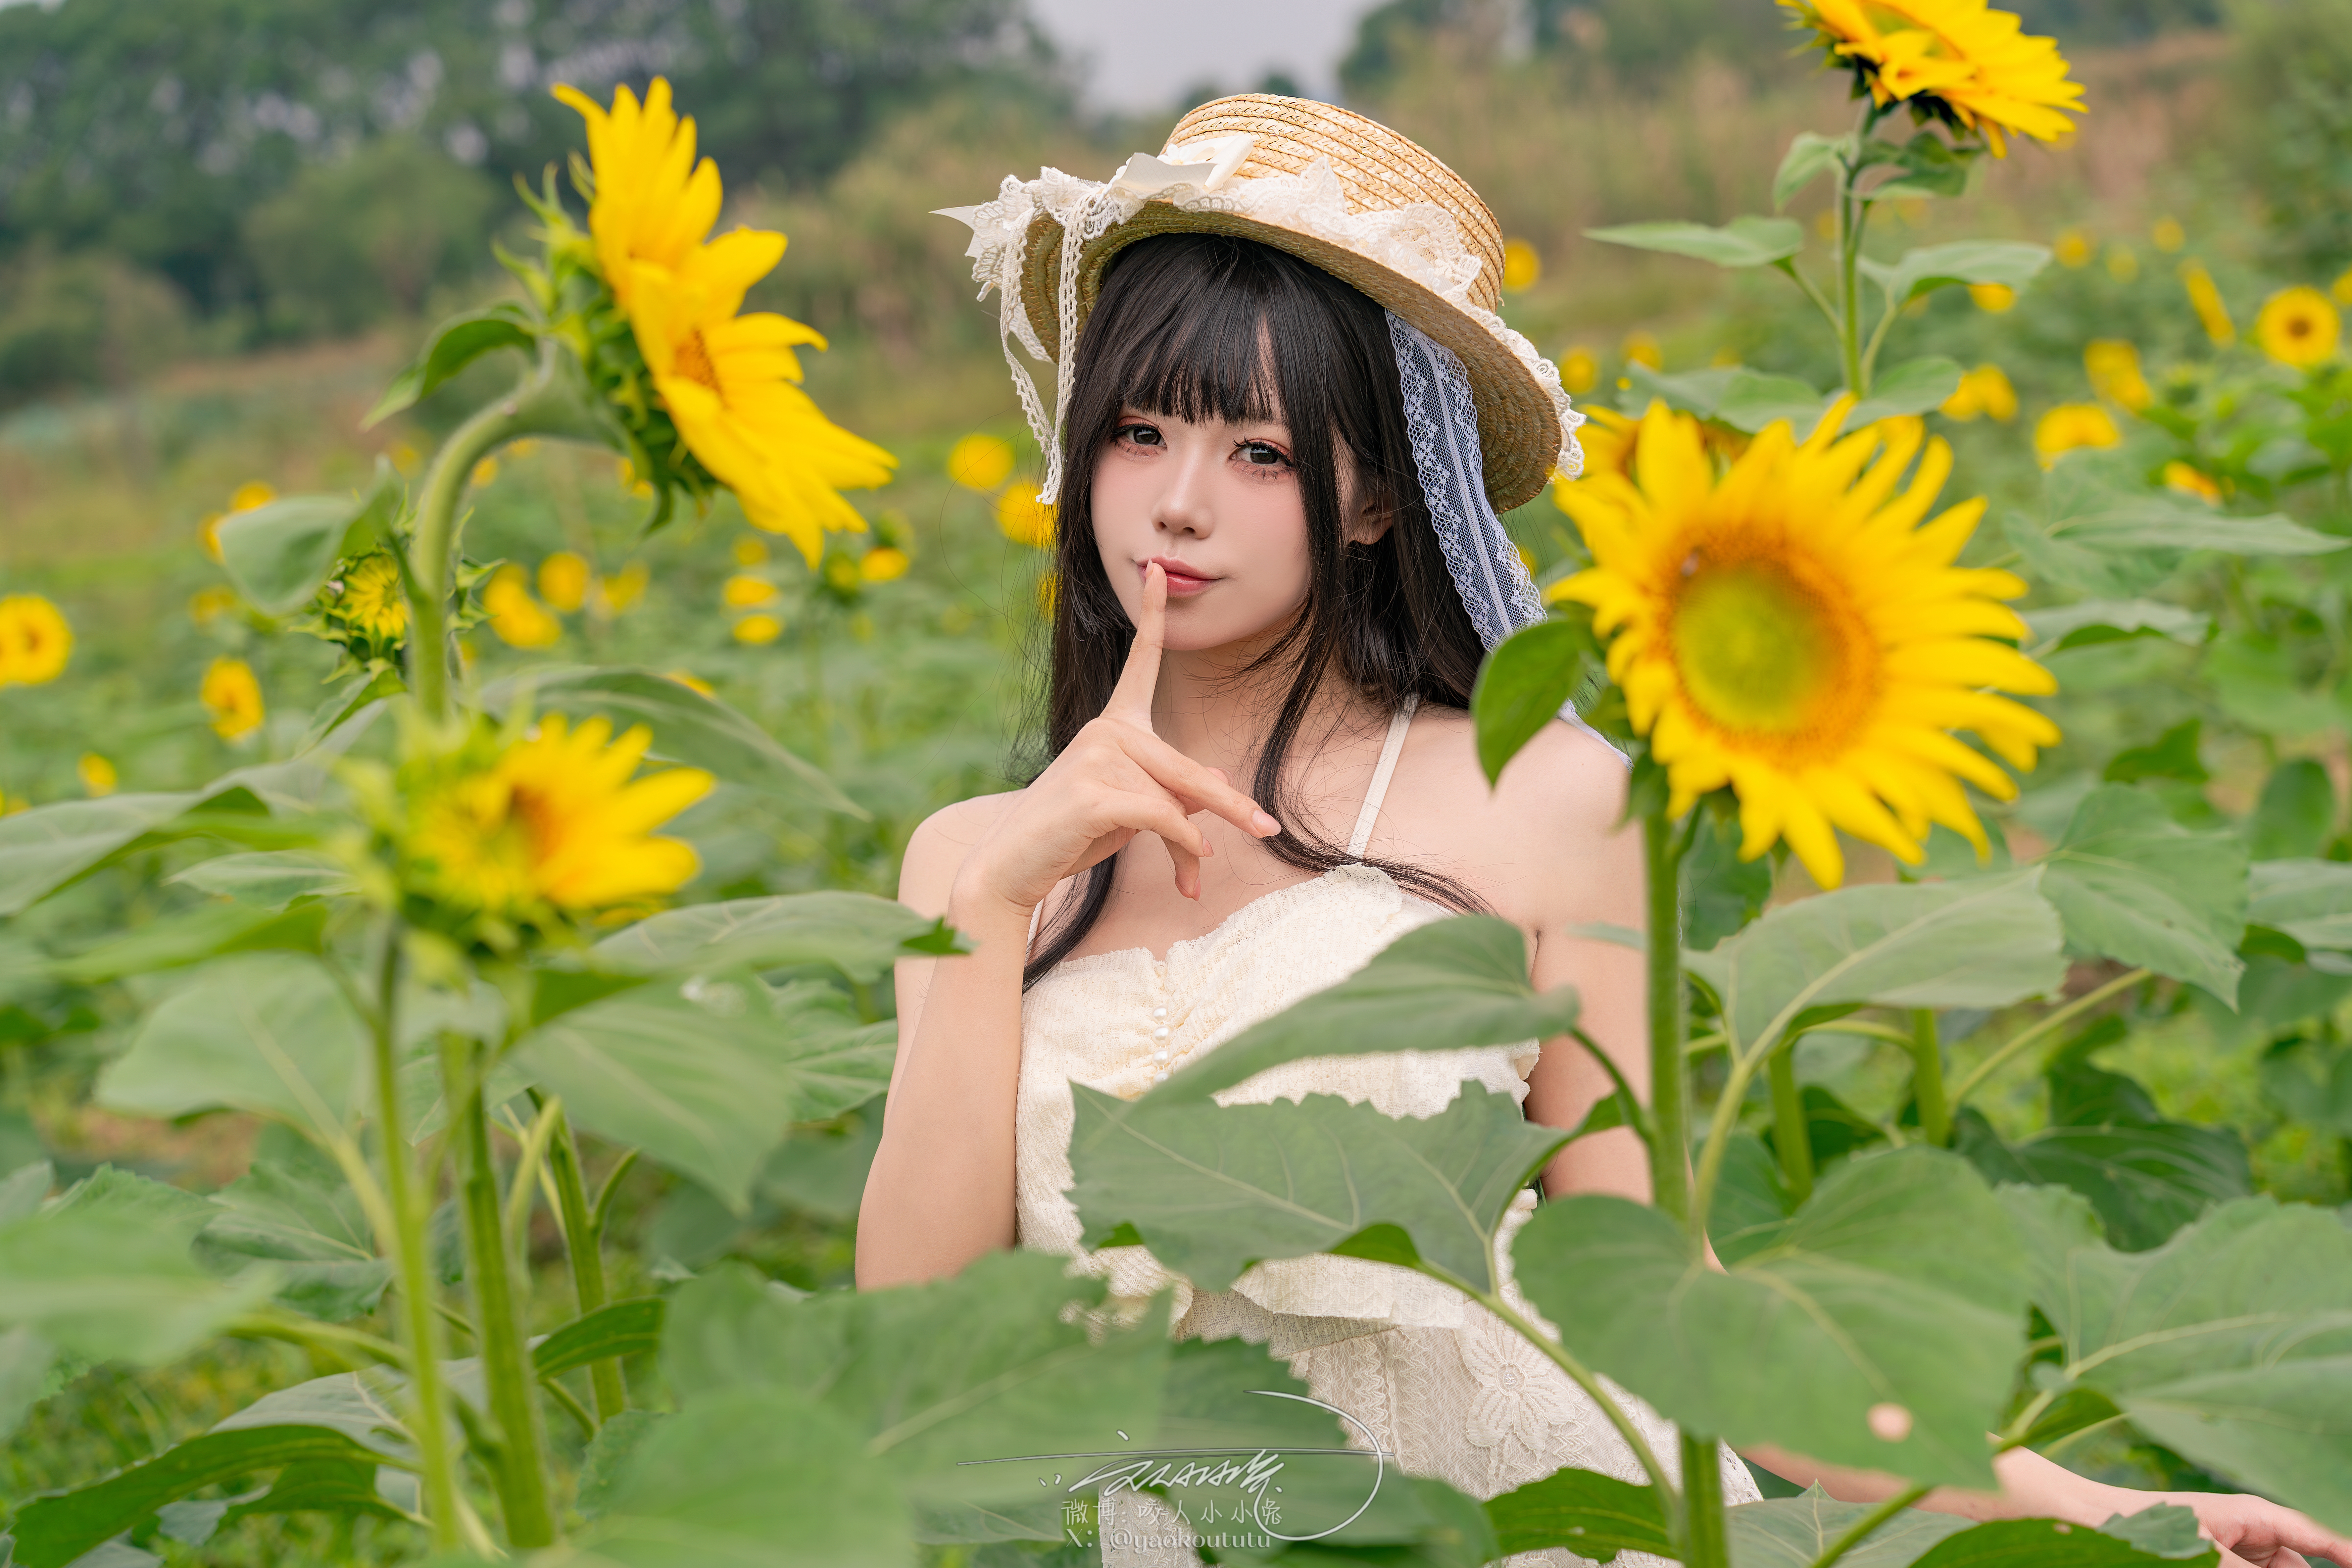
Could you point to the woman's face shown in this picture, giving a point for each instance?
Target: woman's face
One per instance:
(1217, 504)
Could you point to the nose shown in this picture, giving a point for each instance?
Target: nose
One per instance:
(1184, 509)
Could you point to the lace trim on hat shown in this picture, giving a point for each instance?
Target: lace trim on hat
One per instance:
(1420, 241)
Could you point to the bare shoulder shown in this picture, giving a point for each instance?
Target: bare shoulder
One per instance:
(1545, 842)
(936, 849)
(1564, 781)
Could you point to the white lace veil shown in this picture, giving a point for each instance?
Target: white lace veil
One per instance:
(1443, 424)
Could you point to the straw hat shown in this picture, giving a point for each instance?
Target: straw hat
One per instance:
(1329, 186)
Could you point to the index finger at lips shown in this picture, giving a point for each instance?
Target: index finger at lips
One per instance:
(1140, 679)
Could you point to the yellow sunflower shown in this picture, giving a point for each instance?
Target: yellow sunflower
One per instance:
(1983, 392)
(555, 820)
(563, 579)
(1793, 629)
(728, 383)
(1957, 59)
(981, 462)
(232, 697)
(2298, 327)
(654, 203)
(519, 620)
(35, 641)
(1022, 517)
(2205, 298)
(2071, 426)
(370, 599)
(2113, 365)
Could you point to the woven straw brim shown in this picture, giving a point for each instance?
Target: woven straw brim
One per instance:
(1520, 435)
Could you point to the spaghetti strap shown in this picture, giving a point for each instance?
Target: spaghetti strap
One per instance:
(1389, 749)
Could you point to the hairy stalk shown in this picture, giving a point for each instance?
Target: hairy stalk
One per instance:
(1791, 1140)
(584, 1242)
(553, 399)
(437, 1462)
(1927, 1078)
(2047, 1025)
(1867, 1525)
(1578, 1373)
(1700, 1532)
(1669, 1076)
(506, 1364)
(432, 554)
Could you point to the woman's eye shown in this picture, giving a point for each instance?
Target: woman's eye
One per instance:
(1141, 435)
(1262, 455)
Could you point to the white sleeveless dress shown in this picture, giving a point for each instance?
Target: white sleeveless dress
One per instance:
(1450, 1389)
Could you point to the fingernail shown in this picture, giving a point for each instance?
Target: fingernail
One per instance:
(1266, 824)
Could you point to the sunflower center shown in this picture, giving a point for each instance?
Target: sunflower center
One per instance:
(2299, 326)
(694, 360)
(1758, 649)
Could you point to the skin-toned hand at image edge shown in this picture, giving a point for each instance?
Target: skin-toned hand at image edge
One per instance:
(1204, 535)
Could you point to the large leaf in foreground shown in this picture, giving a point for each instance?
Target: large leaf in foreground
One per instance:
(44, 849)
(1446, 985)
(1214, 1189)
(927, 1377)
(307, 1223)
(686, 726)
(346, 1418)
(1594, 1516)
(707, 1074)
(2310, 901)
(1790, 1532)
(264, 1032)
(1896, 1284)
(2146, 1175)
(857, 933)
(764, 1477)
(1983, 942)
(2133, 885)
(2230, 1344)
(108, 1286)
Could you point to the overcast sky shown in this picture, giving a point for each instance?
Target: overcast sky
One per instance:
(1139, 55)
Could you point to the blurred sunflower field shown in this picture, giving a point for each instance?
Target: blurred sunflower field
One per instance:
(452, 782)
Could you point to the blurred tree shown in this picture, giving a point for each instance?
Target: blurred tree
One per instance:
(153, 131)
(347, 243)
(2293, 126)
(72, 323)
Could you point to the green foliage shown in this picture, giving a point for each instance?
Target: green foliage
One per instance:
(2292, 85)
(83, 322)
(1894, 1284)
(2133, 885)
(2227, 1343)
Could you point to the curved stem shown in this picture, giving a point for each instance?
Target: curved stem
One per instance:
(1635, 1117)
(1704, 1539)
(1670, 1175)
(428, 1421)
(1865, 1527)
(2045, 1025)
(309, 1332)
(433, 553)
(1643, 1455)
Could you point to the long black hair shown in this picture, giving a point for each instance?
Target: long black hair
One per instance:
(1182, 329)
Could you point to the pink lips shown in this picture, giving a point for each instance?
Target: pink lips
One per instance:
(1182, 581)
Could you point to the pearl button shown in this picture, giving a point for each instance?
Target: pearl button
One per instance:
(1161, 1033)
(1160, 1078)
(1159, 1012)
(1159, 1055)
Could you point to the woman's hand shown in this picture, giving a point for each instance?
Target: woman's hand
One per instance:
(2251, 1530)
(1115, 779)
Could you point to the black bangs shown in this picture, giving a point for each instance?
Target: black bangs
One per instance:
(1209, 327)
(1189, 333)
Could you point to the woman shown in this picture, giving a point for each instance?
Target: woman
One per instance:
(1279, 563)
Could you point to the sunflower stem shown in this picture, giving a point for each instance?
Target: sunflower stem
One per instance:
(1701, 1535)
(1927, 1078)
(428, 1422)
(521, 1469)
(1670, 1173)
(1791, 1140)
(554, 399)
(583, 1241)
